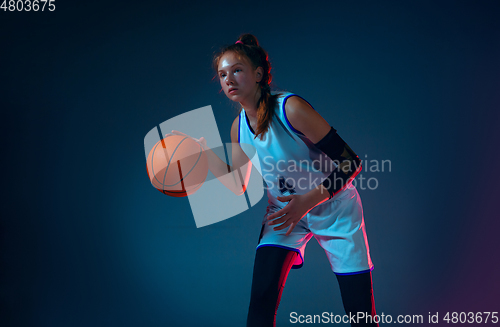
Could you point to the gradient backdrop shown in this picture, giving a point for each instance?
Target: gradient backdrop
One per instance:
(87, 241)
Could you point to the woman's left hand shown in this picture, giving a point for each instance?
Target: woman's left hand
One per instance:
(298, 206)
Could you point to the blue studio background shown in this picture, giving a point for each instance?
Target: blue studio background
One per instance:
(87, 241)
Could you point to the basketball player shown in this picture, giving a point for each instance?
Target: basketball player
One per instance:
(286, 131)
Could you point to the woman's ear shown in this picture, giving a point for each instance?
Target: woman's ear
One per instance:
(259, 74)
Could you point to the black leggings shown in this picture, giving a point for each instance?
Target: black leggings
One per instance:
(271, 268)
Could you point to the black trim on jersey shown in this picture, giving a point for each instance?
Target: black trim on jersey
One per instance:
(284, 112)
(248, 124)
(239, 126)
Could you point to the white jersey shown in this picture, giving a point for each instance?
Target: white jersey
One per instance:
(290, 163)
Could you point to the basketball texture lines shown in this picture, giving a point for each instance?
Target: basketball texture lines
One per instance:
(177, 166)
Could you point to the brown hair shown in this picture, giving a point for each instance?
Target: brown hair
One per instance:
(258, 58)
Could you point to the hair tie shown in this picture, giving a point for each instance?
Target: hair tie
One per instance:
(239, 42)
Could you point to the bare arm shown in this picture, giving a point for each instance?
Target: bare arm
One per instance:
(234, 177)
(308, 121)
(241, 163)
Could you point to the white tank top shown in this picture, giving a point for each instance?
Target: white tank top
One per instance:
(289, 161)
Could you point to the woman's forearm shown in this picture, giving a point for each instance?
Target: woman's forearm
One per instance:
(233, 179)
(317, 195)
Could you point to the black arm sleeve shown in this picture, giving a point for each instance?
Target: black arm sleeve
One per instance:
(348, 163)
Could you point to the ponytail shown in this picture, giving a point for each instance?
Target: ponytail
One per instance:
(265, 110)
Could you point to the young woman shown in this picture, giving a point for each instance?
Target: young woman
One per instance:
(291, 140)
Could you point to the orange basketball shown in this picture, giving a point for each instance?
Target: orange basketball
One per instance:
(177, 166)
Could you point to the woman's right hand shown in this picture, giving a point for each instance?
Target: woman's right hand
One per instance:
(201, 141)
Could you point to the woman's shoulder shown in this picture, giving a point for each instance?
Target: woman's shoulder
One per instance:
(304, 119)
(282, 98)
(235, 129)
(282, 94)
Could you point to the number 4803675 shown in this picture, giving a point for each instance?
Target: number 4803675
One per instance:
(28, 5)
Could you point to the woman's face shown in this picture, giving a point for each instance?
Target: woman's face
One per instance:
(237, 77)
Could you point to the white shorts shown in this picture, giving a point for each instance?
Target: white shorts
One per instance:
(337, 225)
